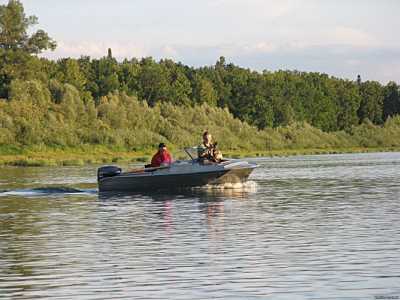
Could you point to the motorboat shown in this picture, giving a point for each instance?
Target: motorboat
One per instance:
(180, 174)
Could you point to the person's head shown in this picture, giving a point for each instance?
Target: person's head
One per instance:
(207, 137)
(162, 147)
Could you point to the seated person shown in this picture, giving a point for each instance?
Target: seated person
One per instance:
(162, 157)
(207, 150)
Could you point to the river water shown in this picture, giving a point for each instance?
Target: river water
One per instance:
(305, 227)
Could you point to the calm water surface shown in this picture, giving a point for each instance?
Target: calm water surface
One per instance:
(307, 227)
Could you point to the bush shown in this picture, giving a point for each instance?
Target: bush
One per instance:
(125, 123)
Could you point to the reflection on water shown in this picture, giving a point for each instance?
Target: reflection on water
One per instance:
(311, 227)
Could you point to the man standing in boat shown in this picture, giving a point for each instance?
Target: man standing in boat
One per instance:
(208, 151)
(162, 157)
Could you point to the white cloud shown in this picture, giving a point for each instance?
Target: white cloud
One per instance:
(169, 51)
(353, 62)
(96, 49)
(353, 37)
(388, 72)
(265, 8)
(262, 47)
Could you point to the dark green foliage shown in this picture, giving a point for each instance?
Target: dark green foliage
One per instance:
(203, 91)
(371, 106)
(153, 81)
(69, 72)
(391, 101)
(348, 102)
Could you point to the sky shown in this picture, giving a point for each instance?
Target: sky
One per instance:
(342, 38)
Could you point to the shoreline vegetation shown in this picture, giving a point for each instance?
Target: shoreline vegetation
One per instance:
(122, 128)
(100, 110)
(184, 125)
(79, 157)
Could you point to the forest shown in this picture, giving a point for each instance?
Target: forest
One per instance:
(133, 104)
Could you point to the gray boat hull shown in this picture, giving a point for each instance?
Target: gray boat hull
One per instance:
(127, 182)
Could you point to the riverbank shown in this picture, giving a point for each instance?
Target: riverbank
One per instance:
(101, 155)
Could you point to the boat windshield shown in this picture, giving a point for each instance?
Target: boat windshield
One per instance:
(192, 152)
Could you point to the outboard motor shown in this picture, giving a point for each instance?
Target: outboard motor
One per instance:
(108, 171)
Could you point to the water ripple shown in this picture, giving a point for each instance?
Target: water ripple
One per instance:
(311, 227)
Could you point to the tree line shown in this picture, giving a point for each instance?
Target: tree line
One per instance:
(79, 88)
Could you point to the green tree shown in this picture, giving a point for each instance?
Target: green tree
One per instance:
(348, 102)
(371, 106)
(14, 25)
(391, 101)
(263, 113)
(153, 81)
(180, 88)
(105, 76)
(17, 46)
(203, 91)
(221, 85)
(129, 76)
(69, 72)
